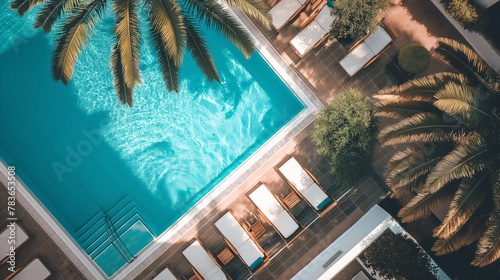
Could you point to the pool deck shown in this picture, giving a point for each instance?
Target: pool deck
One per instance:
(321, 71)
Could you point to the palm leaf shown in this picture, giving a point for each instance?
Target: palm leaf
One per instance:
(463, 162)
(123, 91)
(467, 233)
(52, 10)
(400, 108)
(127, 35)
(470, 195)
(488, 247)
(217, 16)
(462, 102)
(23, 6)
(167, 20)
(200, 52)
(466, 61)
(256, 9)
(72, 38)
(409, 165)
(424, 88)
(168, 67)
(422, 127)
(420, 206)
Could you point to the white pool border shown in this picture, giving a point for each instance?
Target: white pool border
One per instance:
(151, 252)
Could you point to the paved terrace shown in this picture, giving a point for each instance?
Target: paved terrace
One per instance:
(321, 70)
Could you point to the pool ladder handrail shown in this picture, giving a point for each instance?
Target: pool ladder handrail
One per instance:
(115, 239)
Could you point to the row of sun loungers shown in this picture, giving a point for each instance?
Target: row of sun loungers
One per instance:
(240, 240)
(34, 270)
(362, 54)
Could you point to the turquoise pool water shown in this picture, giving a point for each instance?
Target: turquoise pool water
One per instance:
(112, 173)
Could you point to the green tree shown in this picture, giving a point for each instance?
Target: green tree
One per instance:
(450, 124)
(174, 28)
(345, 133)
(395, 256)
(357, 17)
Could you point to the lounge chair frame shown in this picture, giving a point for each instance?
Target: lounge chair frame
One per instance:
(293, 16)
(4, 260)
(291, 238)
(294, 189)
(311, 18)
(250, 235)
(26, 265)
(196, 273)
(389, 31)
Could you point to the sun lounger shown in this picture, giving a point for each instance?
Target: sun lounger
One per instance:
(35, 270)
(299, 179)
(285, 10)
(274, 211)
(166, 274)
(366, 51)
(236, 236)
(203, 262)
(314, 33)
(20, 238)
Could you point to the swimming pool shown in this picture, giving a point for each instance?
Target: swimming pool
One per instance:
(104, 170)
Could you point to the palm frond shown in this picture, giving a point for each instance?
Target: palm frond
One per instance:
(420, 206)
(464, 103)
(463, 162)
(72, 38)
(409, 165)
(217, 16)
(422, 127)
(166, 18)
(52, 10)
(400, 108)
(467, 233)
(466, 61)
(123, 91)
(256, 9)
(127, 35)
(470, 195)
(198, 48)
(23, 6)
(424, 88)
(488, 247)
(169, 69)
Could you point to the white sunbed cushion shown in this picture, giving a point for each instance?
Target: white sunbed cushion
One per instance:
(324, 18)
(232, 230)
(166, 274)
(356, 59)
(34, 271)
(378, 40)
(249, 252)
(294, 173)
(20, 238)
(315, 195)
(215, 274)
(307, 38)
(268, 204)
(282, 11)
(201, 261)
(285, 224)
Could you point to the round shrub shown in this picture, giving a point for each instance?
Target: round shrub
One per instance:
(414, 58)
(345, 133)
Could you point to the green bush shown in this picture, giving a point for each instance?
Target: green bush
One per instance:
(468, 15)
(414, 58)
(345, 133)
(357, 17)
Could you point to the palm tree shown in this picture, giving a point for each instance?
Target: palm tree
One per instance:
(174, 27)
(450, 126)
